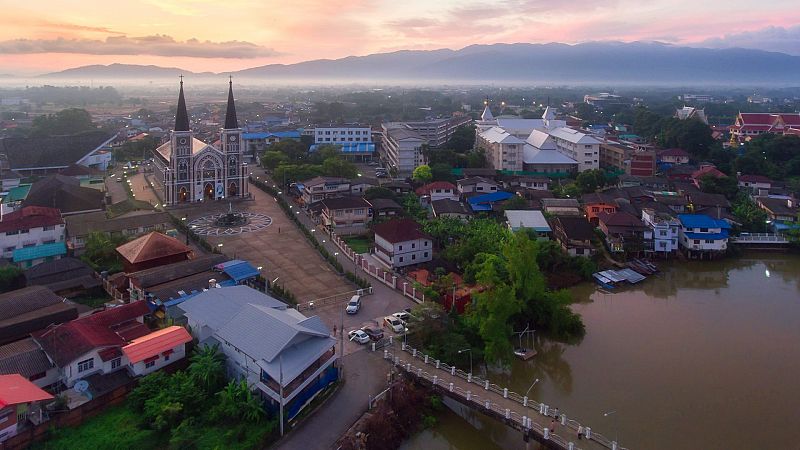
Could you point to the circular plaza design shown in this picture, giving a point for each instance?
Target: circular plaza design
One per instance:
(215, 225)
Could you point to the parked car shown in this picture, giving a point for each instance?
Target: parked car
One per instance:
(353, 305)
(394, 324)
(374, 333)
(359, 336)
(119, 179)
(402, 315)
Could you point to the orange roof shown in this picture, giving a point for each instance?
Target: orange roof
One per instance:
(155, 343)
(16, 389)
(151, 246)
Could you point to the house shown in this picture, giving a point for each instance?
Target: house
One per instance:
(488, 202)
(702, 236)
(450, 208)
(282, 354)
(401, 242)
(398, 187)
(665, 229)
(385, 208)
(67, 277)
(32, 235)
(93, 344)
(642, 164)
(575, 235)
(131, 224)
(256, 143)
(48, 155)
(533, 183)
(703, 200)
(625, 232)
(677, 203)
(19, 399)
(754, 184)
(706, 171)
(680, 172)
(783, 213)
(476, 185)
(346, 215)
(614, 156)
(151, 352)
(528, 220)
(152, 250)
(598, 202)
(542, 155)
(31, 309)
(88, 176)
(561, 206)
(65, 194)
(320, 188)
(25, 357)
(673, 156)
(437, 190)
(171, 281)
(689, 112)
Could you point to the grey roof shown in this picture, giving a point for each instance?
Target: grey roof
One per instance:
(215, 307)
(25, 300)
(57, 151)
(170, 272)
(24, 357)
(64, 193)
(560, 203)
(448, 206)
(345, 203)
(63, 273)
(533, 219)
(384, 203)
(83, 224)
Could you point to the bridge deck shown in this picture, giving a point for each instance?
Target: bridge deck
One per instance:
(759, 238)
(554, 428)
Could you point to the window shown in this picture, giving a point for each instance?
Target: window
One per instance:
(37, 376)
(697, 241)
(413, 256)
(663, 232)
(166, 357)
(426, 243)
(359, 211)
(150, 364)
(709, 241)
(10, 249)
(50, 228)
(116, 362)
(85, 365)
(426, 254)
(23, 231)
(578, 251)
(704, 230)
(413, 245)
(401, 259)
(12, 232)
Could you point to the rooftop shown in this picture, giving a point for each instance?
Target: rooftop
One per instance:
(15, 389)
(527, 219)
(56, 151)
(30, 217)
(151, 246)
(399, 230)
(156, 343)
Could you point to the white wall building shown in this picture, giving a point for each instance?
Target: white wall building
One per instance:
(342, 134)
(577, 145)
(504, 151)
(403, 149)
(401, 242)
(36, 229)
(703, 234)
(666, 230)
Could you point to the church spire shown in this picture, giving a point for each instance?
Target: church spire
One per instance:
(181, 116)
(230, 115)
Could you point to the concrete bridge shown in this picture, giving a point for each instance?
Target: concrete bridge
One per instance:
(537, 421)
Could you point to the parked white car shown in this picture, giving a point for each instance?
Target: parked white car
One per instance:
(394, 324)
(353, 305)
(359, 336)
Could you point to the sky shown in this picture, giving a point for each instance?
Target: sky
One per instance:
(224, 35)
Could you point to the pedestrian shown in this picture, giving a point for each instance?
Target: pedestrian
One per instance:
(334, 330)
(553, 425)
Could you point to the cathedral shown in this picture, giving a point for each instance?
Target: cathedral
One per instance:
(189, 170)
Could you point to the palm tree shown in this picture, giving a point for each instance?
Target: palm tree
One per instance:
(208, 367)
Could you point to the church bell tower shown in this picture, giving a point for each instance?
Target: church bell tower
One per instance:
(236, 171)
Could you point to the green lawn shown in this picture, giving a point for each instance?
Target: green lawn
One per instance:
(359, 244)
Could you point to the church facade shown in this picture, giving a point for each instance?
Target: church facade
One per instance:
(188, 170)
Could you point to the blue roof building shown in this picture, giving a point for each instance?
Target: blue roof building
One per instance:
(486, 201)
(702, 235)
(31, 256)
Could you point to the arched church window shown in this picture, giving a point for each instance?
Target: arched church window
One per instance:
(183, 170)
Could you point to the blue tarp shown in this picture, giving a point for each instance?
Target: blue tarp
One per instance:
(484, 202)
(238, 270)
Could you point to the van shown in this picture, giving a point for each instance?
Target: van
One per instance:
(353, 305)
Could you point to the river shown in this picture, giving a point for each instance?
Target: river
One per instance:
(706, 355)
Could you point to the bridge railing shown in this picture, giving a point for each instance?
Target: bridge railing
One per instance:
(527, 404)
(760, 237)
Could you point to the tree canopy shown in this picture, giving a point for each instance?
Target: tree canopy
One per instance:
(422, 174)
(65, 122)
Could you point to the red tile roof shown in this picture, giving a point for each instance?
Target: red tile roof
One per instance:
(110, 328)
(400, 230)
(30, 217)
(15, 389)
(673, 152)
(444, 185)
(754, 179)
(707, 170)
(151, 246)
(156, 343)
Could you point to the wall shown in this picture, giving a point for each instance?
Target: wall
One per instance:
(139, 368)
(36, 236)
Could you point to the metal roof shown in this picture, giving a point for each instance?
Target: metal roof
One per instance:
(238, 270)
(40, 251)
(215, 307)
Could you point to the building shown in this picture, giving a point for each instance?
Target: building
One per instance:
(688, 112)
(504, 151)
(705, 171)
(320, 188)
(26, 358)
(436, 132)
(673, 156)
(488, 202)
(614, 156)
(189, 170)
(276, 349)
(702, 236)
(528, 220)
(153, 351)
(256, 143)
(532, 183)
(385, 208)
(561, 206)
(753, 124)
(783, 213)
(541, 155)
(473, 185)
(152, 250)
(342, 134)
(598, 202)
(19, 400)
(450, 208)
(602, 100)
(346, 215)
(699, 98)
(577, 145)
(402, 149)
(624, 232)
(131, 224)
(665, 229)
(67, 277)
(642, 164)
(31, 309)
(754, 184)
(32, 235)
(39, 156)
(437, 190)
(574, 234)
(169, 282)
(401, 242)
(65, 194)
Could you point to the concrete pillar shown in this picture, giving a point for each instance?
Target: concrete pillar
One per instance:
(508, 413)
(469, 378)
(571, 446)
(426, 359)
(547, 433)
(414, 353)
(391, 339)
(419, 372)
(451, 387)
(469, 395)
(437, 363)
(403, 346)
(524, 421)
(486, 385)
(505, 392)
(488, 404)
(563, 419)
(385, 354)
(373, 346)
(525, 401)
(588, 433)
(613, 445)
(546, 408)
(434, 379)
(452, 370)
(408, 367)
(541, 408)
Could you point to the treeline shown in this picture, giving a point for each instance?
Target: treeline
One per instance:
(290, 161)
(66, 96)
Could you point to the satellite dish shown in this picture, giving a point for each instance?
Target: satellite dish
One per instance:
(81, 386)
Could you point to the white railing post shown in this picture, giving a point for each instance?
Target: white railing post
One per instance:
(426, 359)
(408, 367)
(571, 446)
(414, 353)
(437, 363)
(546, 433)
(488, 404)
(452, 370)
(524, 421)
(373, 346)
(525, 401)
(545, 409)
(390, 339)
(434, 380)
(613, 445)
(541, 408)
(419, 372)
(469, 395)
(451, 387)
(403, 346)
(508, 413)
(486, 385)
(563, 419)
(505, 392)
(588, 433)
(385, 354)
(469, 378)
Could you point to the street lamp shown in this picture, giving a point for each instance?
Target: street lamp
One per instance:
(532, 385)
(470, 357)
(616, 428)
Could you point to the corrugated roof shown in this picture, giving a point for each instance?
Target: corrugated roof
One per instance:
(23, 357)
(30, 217)
(215, 307)
(239, 270)
(527, 219)
(151, 246)
(399, 230)
(702, 221)
(64, 193)
(40, 251)
(156, 343)
(56, 151)
(15, 389)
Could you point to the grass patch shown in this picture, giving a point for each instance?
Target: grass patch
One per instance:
(91, 301)
(359, 244)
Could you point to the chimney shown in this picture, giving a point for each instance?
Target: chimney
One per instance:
(212, 283)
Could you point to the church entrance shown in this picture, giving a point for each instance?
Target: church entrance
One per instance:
(208, 191)
(183, 195)
(232, 190)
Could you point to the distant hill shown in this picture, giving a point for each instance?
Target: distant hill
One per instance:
(593, 62)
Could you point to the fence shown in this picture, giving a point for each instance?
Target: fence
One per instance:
(336, 299)
(529, 407)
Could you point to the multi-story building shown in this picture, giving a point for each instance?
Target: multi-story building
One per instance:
(504, 151)
(256, 143)
(342, 134)
(346, 215)
(688, 112)
(402, 149)
(643, 164)
(582, 147)
(32, 235)
(665, 230)
(702, 236)
(320, 188)
(755, 184)
(436, 132)
(476, 185)
(574, 234)
(613, 155)
(401, 242)
(673, 156)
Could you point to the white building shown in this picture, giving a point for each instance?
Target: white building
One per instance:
(577, 145)
(342, 134)
(688, 112)
(666, 230)
(504, 151)
(403, 149)
(401, 242)
(436, 132)
(32, 235)
(476, 185)
(541, 155)
(701, 234)
(533, 220)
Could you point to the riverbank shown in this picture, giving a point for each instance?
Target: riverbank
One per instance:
(691, 358)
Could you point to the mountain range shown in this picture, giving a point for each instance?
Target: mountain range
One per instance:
(592, 62)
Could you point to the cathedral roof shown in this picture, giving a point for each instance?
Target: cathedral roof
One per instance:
(230, 115)
(181, 116)
(165, 149)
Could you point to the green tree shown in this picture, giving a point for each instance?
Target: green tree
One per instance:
(207, 367)
(272, 159)
(101, 251)
(727, 186)
(413, 209)
(324, 152)
(379, 192)
(442, 172)
(11, 278)
(515, 202)
(422, 174)
(749, 214)
(65, 122)
(339, 167)
(296, 151)
(462, 139)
